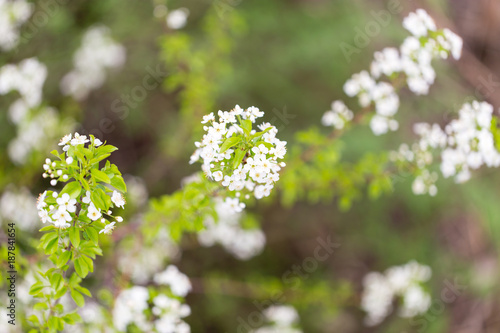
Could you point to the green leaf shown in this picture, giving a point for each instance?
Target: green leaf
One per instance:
(36, 288)
(34, 319)
(118, 183)
(238, 157)
(100, 176)
(81, 267)
(246, 125)
(83, 290)
(57, 281)
(102, 152)
(61, 292)
(84, 182)
(72, 318)
(47, 238)
(88, 262)
(97, 198)
(91, 250)
(73, 189)
(40, 306)
(93, 235)
(52, 245)
(56, 323)
(47, 228)
(63, 258)
(78, 298)
(230, 142)
(74, 236)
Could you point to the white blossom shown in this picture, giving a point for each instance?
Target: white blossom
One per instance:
(227, 231)
(176, 19)
(108, 228)
(117, 199)
(93, 213)
(379, 291)
(97, 53)
(179, 283)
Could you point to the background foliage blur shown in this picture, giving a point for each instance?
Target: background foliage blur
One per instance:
(286, 58)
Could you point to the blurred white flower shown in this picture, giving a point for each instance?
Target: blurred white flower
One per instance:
(97, 52)
(176, 19)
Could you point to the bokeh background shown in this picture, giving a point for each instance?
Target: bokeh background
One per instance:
(284, 56)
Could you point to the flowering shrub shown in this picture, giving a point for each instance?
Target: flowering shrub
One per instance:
(76, 216)
(142, 288)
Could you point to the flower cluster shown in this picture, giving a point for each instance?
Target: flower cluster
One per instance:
(73, 203)
(12, 15)
(178, 282)
(27, 78)
(465, 144)
(282, 318)
(398, 281)
(412, 62)
(242, 159)
(129, 309)
(97, 52)
(470, 142)
(132, 305)
(338, 116)
(227, 231)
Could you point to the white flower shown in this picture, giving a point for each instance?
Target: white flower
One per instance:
(65, 140)
(242, 243)
(97, 142)
(179, 283)
(208, 118)
(338, 116)
(86, 199)
(118, 199)
(281, 318)
(108, 228)
(129, 308)
(398, 281)
(97, 52)
(419, 23)
(61, 217)
(40, 203)
(93, 213)
(176, 19)
(66, 202)
(217, 175)
(79, 139)
(44, 216)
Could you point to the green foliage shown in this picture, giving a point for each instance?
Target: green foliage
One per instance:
(183, 211)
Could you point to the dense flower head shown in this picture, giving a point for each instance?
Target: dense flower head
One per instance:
(405, 281)
(63, 209)
(243, 159)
